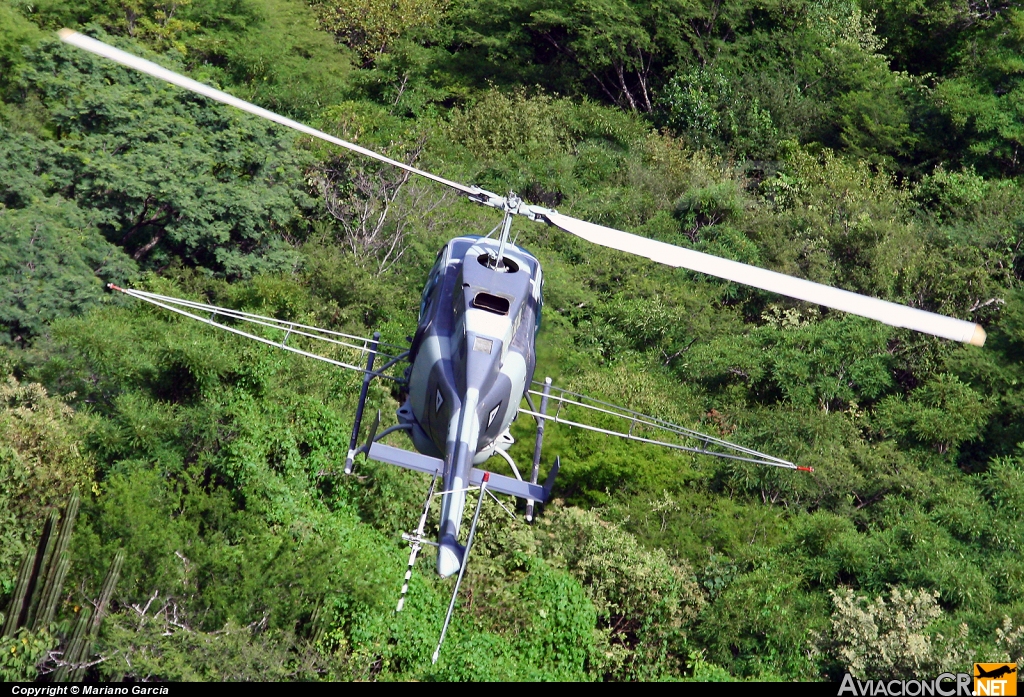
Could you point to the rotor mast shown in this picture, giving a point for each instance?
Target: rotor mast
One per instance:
(511, 206)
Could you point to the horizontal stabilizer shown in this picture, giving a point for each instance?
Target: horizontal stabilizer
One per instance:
(498, 483)
(406, 458)
(509, 485)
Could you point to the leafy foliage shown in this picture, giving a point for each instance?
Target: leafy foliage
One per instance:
(225, 221)
(370, 26)
(22, 654)
(870, 145)
(643, 601)
(53, 265)
(893, 638)
(42, 460)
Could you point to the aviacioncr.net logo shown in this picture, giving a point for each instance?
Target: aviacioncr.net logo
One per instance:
(945, 685)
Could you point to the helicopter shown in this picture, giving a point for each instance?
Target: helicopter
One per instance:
(472, 359)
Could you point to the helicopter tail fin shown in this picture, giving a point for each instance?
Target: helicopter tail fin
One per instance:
(549, 483)
(450, 555)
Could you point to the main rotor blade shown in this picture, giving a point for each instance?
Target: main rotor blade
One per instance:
(881, 310)
(150, 68)
(790, 286)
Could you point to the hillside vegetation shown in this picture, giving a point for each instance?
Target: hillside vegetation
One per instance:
(874, 145)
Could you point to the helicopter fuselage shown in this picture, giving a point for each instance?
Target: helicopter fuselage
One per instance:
(471, 361)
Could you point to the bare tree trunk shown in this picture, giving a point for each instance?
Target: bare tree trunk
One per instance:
(624, 87)
(641, 76)
(572, 54)
(369, 203)
(144, 249)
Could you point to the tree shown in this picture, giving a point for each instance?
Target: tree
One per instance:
(644, 601)
(942, 413)
(53, 263)
(373, 203)
(614, 50)
(370, 26)
(42, 460)
(893, 638)
(168, 175)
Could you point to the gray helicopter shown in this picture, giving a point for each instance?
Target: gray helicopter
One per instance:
(471, 361)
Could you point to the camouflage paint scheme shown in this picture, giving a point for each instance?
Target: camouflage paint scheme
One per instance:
(471, 361)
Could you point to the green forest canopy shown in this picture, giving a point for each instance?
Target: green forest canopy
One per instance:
(873, 145)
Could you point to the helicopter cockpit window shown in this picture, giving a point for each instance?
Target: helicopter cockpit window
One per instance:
(540, 307)
(491, 303)
(435, 276)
